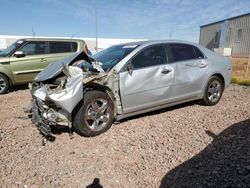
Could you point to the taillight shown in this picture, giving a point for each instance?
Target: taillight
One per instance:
(86, 50)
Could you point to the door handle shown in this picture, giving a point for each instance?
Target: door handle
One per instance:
(43, 60)
(166, 71)
(203, 65)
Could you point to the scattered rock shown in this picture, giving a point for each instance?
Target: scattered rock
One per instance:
(138, 152)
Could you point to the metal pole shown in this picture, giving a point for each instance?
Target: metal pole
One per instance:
(96, 30)
(33, 32)
(170, 34)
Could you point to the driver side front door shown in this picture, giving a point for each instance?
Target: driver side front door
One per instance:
(149, 83)
(24, 69)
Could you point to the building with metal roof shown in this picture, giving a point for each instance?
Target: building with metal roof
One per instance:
(232, 33)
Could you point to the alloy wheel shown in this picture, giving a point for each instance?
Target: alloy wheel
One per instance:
(2, 84)
(214, 91)
(97, 114)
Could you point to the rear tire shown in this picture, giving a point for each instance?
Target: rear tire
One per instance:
(4, 84)
(95, 115)
(213, 91)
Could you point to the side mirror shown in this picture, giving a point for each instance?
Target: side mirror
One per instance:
(19, 54)
(130, 68)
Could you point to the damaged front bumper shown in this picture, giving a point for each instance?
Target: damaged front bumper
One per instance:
(52, 106)
(55, 98)
(46, 114)
(42, 124)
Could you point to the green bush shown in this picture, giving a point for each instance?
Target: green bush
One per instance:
(234, 80)
(240, 81)
(245, 82)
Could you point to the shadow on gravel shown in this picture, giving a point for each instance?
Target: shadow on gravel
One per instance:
(59, 129)
(18, 88)
(95, 184)
(223, 163)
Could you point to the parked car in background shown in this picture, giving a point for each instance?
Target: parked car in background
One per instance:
(89, 93)
(21, 61)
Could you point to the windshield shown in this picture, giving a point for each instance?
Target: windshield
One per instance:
(11, 48)
(109, 57)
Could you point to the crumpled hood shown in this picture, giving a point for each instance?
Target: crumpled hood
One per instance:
(67, 97)
(56, 68)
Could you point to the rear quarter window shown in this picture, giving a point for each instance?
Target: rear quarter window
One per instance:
(74, 46)
(62, 47)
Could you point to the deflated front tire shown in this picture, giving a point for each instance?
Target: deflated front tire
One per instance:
(96, 115)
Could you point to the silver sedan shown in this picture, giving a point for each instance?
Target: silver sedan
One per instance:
(89, 93)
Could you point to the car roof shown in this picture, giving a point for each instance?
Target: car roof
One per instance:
(150, 42)
(51, 39)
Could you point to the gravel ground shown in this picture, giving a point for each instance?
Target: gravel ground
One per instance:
(186, 146)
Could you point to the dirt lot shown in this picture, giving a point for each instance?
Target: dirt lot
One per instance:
(186, 146)
(240, 68)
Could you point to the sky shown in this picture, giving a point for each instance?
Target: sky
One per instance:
(134, 19)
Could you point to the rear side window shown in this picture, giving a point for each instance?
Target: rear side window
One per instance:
(182, 52)
(34, 48)
(151, 56)
(62, 47)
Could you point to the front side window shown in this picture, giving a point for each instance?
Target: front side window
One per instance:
(34, 48)
(62, 47)
(182, 52)
(151, 56)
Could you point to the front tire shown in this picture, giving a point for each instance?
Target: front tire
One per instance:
(96, 114)
(4, 84)
(213, 91)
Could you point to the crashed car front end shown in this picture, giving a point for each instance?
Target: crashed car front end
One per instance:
(52, 104)
(58, 90)
(80, 91)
